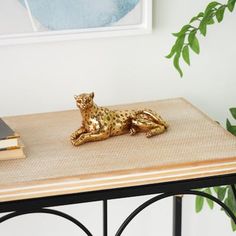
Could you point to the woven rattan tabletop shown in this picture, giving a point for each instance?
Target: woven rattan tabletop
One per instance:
(194, 146)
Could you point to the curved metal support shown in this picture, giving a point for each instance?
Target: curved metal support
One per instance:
(47, 211)
(166, 195)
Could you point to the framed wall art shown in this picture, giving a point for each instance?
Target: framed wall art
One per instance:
(23, 21)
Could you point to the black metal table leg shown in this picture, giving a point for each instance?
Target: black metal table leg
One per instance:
(177, 215)
(105, 218)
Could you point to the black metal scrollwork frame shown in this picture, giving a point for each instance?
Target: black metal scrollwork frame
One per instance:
(46, 211)
(166, 195)
(30, 206)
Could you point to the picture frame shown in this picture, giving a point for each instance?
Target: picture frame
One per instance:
(144, 26)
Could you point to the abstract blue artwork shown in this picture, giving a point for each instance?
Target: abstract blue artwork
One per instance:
(79, 14)
(24, 21)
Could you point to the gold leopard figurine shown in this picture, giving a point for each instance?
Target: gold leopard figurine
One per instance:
(99, 123)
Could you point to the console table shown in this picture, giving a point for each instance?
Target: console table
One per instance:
(195, 152)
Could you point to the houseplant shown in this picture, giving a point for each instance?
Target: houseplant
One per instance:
(187, 41)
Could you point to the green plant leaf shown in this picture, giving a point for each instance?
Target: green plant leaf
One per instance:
(227, 204)
(206, 20)
(172, 52)
(193, 42)
(199, 189)
(185, 54)
(183, 30)
(210, 21)
(191, 36)
(231, 199)
(209, 14)
(211, 6)
(199, 203)
(209, 201)
(213, 9)
(228, 124)
(176, 64)
(231, 4)
(200, 15)
(233, 225)
(193, 19)
(231, 193)
(180, 43)
(221, 193)
(231, 128)
(233, 112)
(203, 29)
(220, 13)
(216, 189)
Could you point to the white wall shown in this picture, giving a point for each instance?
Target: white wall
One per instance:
(44, 77)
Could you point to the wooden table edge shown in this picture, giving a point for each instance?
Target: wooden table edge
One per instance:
(117, 179)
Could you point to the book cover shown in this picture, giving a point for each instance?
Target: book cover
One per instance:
(5, 131)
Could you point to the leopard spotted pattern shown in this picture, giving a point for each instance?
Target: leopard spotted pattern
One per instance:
(99, 123)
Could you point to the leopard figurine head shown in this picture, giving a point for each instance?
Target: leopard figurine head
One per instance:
(84, 101)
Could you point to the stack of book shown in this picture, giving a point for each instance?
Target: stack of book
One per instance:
(10, 147)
